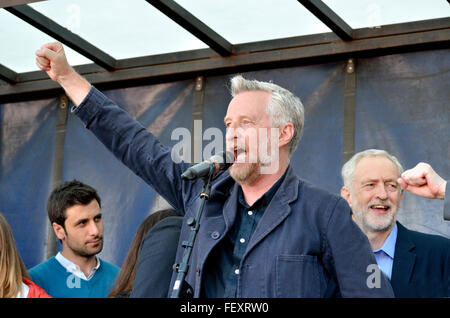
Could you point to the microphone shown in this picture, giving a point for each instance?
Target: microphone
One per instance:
(221, 161)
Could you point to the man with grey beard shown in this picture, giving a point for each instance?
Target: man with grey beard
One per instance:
(264, 231)
(417, 264)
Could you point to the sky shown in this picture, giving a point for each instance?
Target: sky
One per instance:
(133, 28)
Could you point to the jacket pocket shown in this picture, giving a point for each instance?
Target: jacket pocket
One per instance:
(297, 276)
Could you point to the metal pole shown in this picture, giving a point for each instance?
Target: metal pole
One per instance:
(58, 156)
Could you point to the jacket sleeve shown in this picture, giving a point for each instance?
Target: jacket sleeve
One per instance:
(447, 202)
(134, 146)
(35, 291)
(354, 265)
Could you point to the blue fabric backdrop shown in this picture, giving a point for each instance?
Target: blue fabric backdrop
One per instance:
(402, 105)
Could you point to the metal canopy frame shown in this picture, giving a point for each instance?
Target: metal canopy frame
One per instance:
(222, 57)
(329, 18)
(8, 75)
(186, 20)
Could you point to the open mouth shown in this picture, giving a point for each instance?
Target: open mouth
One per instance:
(238, 154)
(380, 208)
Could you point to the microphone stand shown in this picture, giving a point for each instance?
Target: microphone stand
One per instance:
(194, 223)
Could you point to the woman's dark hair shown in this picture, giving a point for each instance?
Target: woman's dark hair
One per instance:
(125, 278)
(67, 195)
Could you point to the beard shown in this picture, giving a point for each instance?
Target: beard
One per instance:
(247, 173)
(246, 170)
(244, 173)
(369, 220)
(84, 250)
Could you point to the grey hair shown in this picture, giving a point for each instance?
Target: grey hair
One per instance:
(348, 169)
(283, 107)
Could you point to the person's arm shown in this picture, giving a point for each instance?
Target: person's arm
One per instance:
(52, 59)
(121, 134)
(423, 181)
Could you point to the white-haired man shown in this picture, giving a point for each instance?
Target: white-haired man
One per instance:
(417, 264)
(264, 232)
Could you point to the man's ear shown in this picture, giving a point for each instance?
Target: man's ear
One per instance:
(59, 231)
(286, 134)
(345, 193)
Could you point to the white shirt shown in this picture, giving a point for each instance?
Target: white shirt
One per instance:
(74, 268)
(24, 292)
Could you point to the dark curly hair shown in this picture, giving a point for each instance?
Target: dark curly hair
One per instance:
(67, 195)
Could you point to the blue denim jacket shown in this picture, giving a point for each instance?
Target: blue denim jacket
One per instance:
(304, 243)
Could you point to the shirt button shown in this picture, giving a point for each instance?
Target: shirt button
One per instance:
(236, 271)
(250, 212)
(242, 240)
(215, 235)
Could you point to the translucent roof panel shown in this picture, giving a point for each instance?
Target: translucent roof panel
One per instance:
(241, 21)
(122, 29)
(19, 42)
(370, 13)
(134, 28)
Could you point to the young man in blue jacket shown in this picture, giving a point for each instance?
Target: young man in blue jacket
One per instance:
(264, 232)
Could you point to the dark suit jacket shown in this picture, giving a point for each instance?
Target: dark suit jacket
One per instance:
(305, 238)
(447, 202)
(421, 265)
(156, 258)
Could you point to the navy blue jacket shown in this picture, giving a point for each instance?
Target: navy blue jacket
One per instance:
(447, 202)
(421, 265)
(304, 243)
